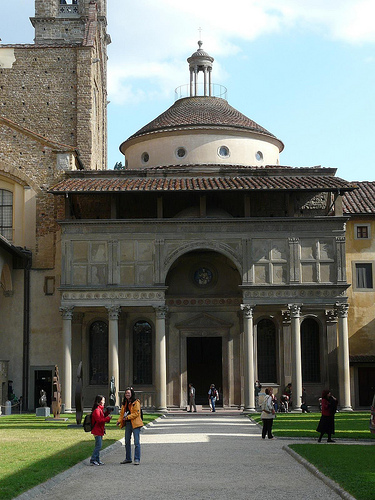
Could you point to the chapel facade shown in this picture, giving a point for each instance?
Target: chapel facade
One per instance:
(204, 260)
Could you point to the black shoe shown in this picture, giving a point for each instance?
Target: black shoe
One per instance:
(126, 462)
(319, 440)
(330, 441)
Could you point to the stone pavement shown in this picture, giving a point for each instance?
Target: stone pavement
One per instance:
(193, 456)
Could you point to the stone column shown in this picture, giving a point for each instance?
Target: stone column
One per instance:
(67, 316)
(295, 314)
(161, 359)
(205, 81)
(249, 396)
(113, 364)
(343, 357)
(191, 82)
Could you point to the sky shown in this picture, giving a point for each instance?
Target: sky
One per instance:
(304, 70)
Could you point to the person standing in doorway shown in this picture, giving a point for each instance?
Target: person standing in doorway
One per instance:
(213, 396)
(268, 414)
(192, 398)
(130, 417)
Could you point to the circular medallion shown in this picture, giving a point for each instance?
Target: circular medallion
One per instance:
(203, 276)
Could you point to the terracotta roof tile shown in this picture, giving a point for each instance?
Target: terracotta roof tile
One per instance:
(199, 112)
(361, 200)
(200, 183)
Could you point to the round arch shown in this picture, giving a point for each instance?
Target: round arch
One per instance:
(201, 246)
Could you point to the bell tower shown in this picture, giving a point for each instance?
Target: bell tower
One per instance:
(65, 21)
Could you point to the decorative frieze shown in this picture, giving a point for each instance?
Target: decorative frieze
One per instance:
(113, 295)
(294, 293)
(207, 301)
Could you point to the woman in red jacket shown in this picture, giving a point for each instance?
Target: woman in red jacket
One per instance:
(327, 420)
(98, 420)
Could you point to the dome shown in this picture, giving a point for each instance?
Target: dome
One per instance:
(201, 129)
(201, 112)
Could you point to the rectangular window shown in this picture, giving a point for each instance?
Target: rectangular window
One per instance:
(362, 231)
(363, 272)
(6, 214)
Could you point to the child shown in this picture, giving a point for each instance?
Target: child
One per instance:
(98, 420)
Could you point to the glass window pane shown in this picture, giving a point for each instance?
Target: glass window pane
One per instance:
(98, 353)
(6, 213)
(310, 351)
(142, 353)
(364, 275)
(266, 337)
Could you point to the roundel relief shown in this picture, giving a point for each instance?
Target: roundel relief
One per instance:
(203, 276)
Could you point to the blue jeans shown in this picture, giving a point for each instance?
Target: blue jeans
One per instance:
(213, 401)
(137, 445)
(98, 447)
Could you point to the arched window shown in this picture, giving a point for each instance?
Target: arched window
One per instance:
(142, 353)
(266, 342)
(6, 213)
(310, 350)
(98, 341)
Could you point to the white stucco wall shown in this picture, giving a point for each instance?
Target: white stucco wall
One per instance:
(202, 147)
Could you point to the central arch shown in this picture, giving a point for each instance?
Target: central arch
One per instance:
(203, 296)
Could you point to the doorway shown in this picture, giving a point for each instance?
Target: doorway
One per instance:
(43, 380)
(366, 382)
(204, 366)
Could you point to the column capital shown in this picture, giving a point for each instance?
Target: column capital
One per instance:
(295, 310)
(113, 312)
(161, 312)
(341, 309)
(248, 310)
(331, 315)
(285, 313)
(67, 312)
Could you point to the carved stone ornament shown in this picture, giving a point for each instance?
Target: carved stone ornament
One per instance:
(331, 315)
(248, 311)
(113, 295)
(286, 316)
(161, 312)
(113, 312)
(341, 310)
(295, 310)
(67, 312)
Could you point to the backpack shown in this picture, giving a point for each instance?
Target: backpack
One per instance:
(87, 423)
(264, 406)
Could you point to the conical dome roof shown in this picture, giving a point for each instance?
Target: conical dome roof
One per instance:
(201, 112)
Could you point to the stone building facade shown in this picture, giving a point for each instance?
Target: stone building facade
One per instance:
(53, 102)
(203, 261)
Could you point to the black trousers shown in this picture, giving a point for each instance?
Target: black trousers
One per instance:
(267, 427)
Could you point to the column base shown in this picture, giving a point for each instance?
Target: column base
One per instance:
(249, 409)
(346, 408)
(162, 409)
(296, 410)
